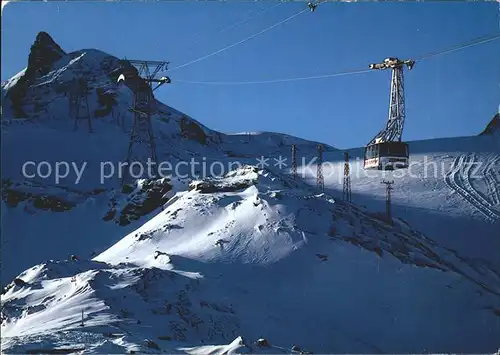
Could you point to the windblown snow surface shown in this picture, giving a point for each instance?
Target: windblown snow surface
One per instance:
(186, 263)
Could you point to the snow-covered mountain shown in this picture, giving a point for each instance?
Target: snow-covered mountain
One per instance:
(189, 261)
(36, 109)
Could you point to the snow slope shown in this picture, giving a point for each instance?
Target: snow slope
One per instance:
(253, 254)
(452, 184)
(293, 267)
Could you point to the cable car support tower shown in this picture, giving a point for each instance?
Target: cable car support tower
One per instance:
(79, 103)
(142, 135)
(393, 130)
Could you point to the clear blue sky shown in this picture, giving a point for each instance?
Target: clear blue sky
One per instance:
(451, 95)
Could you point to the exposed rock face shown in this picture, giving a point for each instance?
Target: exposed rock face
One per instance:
(149, 197)
(107, 100)
(13, 194)
(211, 185)
(192, 131)
(43, 54)
(493, 127)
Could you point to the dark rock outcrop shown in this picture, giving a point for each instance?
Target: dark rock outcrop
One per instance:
(190, 130)
(151, 195)
(107, 99)
(19, 282)
(43, 54)
(211, 186)
(493, 127)
(14, 194)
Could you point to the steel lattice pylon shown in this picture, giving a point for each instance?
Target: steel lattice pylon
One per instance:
(320, 181)
(79, 103)
(294, 161)
(142, 135)
(393, 130)
(388, 189)
(347, 179)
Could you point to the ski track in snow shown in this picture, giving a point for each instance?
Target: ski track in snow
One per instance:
(469, 163)
(458, 179)
(492, 181)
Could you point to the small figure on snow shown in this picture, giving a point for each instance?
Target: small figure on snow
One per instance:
(74, 258)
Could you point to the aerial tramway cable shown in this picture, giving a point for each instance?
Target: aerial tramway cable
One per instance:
(225, 28)
(277, 80)
(235, 24)
(477, 41)
(241, 41)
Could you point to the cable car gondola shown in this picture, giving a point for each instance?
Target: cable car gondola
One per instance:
(386, 156)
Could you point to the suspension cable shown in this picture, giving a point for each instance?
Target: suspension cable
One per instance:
(234, 24)
(277, 80)
(225, 28)
(474, 42)
(241, 41)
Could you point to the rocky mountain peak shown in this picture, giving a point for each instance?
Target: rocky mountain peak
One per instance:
(493, 127)
(43, 54)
